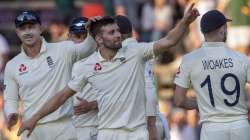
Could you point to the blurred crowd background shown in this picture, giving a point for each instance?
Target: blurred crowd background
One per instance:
(152, 19)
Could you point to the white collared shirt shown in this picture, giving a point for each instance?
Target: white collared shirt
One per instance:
(35, 80)
(218, 75)
(152, 105)
(119, 85)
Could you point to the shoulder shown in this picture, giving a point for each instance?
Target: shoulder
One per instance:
(194, 55)
(137, 46)
(86, 63)
(237, 55)
(142, 44)
(16, 60)
(13, 65)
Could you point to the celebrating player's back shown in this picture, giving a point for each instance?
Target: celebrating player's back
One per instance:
(218, 75)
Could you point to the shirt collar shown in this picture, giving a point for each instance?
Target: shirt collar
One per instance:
(119, 55)
(128, 41)
(213, 44)
(42, 50)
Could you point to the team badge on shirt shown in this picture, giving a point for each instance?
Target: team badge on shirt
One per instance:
(98, 67)
(123, 59)
(22, 69)
(50, 62)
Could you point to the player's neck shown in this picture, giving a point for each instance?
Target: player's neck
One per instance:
(213, 39)
(108, 54)
(32, 50)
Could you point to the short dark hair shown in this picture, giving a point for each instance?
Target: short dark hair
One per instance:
(124, 24)
(96, 26)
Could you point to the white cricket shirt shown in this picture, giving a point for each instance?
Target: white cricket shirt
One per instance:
(218, 76)
(119, 85)
(152, 105)
(36, 80)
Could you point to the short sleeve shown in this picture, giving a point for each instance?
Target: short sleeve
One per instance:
(78, 79)
(182, 77)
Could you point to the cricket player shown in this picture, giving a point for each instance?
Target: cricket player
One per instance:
(85, 114)
(117, 76)
(39, 71)
(154, 123)
(218, 75)
(77, 30)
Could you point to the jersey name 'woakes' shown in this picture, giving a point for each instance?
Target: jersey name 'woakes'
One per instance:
(217, 63)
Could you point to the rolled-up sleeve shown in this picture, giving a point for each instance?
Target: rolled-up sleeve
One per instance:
(11, 97)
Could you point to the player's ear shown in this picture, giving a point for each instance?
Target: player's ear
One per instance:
(98, 38)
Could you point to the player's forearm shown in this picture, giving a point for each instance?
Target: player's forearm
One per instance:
(151, 122)
(53, 104)
(189, 104)
(172, 38)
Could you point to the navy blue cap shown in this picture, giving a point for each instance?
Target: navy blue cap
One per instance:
(27, 16)
(124, 24)
(78, 25)
(212, 20)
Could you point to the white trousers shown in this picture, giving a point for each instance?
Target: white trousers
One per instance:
(237, 130)
(62, 129)
(87, 133)
(141, 133)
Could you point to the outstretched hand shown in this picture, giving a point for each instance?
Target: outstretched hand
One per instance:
(28, 125)
(191, 14)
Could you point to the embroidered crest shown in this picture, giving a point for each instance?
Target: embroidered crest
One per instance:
(98, 67)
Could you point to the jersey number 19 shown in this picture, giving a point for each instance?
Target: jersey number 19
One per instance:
(235, 90)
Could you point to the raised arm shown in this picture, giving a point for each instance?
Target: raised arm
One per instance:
(78, 51)
(50, 106)
(177, 33)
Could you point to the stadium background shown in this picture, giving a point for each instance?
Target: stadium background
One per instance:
(151, 19)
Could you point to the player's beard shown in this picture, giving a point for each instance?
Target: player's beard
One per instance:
(114, 47)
